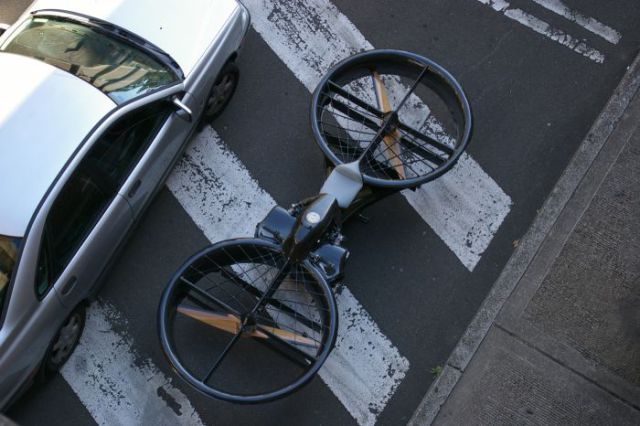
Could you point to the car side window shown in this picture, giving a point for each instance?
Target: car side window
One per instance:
(43, 277)
(92, 187)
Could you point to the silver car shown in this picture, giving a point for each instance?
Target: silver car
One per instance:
(97, 101)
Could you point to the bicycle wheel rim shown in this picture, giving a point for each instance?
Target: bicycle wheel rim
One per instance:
(167, 313)
(436, 77)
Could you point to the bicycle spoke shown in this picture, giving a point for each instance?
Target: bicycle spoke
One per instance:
(288, 336)
(274, 302)
(422, 151)
(287, 323)
(354, 99)
(417, 149)
(349, 130)
(375, 164)
(353, 114)
(221, 357)
(208, 296)
(419, 135)
(394, 94)
(413, 88)
(219, 287)
(275, 283)
(286, 348)
(386, 152)
(225, 322)
(284, 341)
(345, 145)
(232, 324)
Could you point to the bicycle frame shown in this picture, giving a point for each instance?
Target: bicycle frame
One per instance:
(278, 288)
(312, 228)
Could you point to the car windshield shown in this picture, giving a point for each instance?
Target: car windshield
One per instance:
(118, 68)
(8, 255)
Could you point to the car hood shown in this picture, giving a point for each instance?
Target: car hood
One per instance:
(183, 29)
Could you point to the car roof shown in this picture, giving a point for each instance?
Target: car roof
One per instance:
(183, 29)
(45, 113)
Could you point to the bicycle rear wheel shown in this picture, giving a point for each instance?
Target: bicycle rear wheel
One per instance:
(404, 118)
(241, 324)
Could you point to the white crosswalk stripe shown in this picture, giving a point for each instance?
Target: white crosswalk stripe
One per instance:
(558, 35)
(588, 23)
(465, 207)
(115, 385)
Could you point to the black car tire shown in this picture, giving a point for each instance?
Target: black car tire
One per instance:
(221, 93)
(65, 340)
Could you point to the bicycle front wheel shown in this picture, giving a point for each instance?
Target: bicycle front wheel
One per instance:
(401, 116)
(240, 323)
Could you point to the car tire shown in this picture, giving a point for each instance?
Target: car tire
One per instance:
(220, 94)
(65, 341)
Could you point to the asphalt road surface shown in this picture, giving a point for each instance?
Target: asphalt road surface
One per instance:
(537, 74)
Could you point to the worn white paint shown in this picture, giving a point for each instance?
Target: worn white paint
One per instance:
(216, 190)
(223, 199)
(466, 188)
(117, 386)
(497, 5)
(588, 23)
(467, 235)
(310, 37)
(542, 27)
(364, 369)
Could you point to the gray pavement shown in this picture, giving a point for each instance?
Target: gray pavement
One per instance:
(558, 339)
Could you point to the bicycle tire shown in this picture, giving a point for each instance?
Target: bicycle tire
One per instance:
(298, 322)
(340, 96)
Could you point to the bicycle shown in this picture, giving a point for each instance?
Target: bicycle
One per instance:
(251, 320)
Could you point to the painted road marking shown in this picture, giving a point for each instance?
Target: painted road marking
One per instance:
(224, 201)
(216, 189)
(365, 368)
(114, 385)
(541, 27)
(463, 185)
(310, 37)
(590, 24)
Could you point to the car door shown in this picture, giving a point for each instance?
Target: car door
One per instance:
(83, 227)
(89, 218)
(160, 154)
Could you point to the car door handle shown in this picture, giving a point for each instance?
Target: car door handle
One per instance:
(68, 286)
(134, 188)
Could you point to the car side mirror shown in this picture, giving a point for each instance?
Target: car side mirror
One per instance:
(182, 111)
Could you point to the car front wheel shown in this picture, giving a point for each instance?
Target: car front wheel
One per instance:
(221, 93)
(66, 340)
